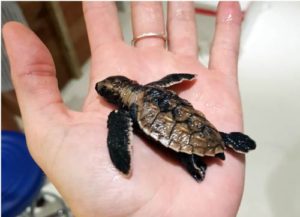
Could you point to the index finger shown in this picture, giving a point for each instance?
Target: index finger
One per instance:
(102, 23)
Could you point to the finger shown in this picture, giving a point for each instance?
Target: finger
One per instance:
(33, 74)
(102, 24)
(182, 34)
(225, 48)
(147, 17)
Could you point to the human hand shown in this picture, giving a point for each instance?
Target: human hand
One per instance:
(70, 146)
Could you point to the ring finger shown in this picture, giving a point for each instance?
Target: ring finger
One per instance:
(147, 18)
(182, 31)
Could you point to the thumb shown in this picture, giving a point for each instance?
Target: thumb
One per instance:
(34, 79)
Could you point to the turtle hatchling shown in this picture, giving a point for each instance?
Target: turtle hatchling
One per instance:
(160, 114)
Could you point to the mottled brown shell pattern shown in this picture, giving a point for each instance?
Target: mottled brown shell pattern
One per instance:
(174, 123)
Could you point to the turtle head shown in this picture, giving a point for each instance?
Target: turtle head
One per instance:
(112, 88)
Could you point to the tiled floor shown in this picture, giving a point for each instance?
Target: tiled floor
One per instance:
(269, 74)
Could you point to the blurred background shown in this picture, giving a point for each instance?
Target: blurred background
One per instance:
(269, 75)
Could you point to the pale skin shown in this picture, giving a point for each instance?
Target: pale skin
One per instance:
(70, 146)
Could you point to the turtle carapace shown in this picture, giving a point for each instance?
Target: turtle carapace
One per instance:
(166, 118)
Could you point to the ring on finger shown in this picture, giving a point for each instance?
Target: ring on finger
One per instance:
(149, 35)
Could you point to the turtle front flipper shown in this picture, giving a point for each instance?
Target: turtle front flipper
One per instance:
(118, 140)
(171, 79)
(239, 142)
(194, 165)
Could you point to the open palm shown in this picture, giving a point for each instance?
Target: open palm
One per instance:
(71, 146)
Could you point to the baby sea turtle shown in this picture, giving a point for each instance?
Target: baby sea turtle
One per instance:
(166, 118)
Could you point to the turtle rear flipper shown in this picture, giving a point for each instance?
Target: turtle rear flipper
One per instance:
(118, 140)
(239, 142)
(172, 79)
(194, 165)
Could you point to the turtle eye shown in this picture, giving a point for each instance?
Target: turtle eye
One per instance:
(117, 83)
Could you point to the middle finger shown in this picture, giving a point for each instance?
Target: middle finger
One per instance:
(147, 17)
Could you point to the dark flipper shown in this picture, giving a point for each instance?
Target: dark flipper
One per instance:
(171, 79)
(194, 165)
(238, 141)
(119, 130)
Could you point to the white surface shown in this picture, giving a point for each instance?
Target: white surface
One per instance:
(76, 90)
(269, 72)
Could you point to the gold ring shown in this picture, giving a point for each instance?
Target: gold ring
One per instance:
(149, 35)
